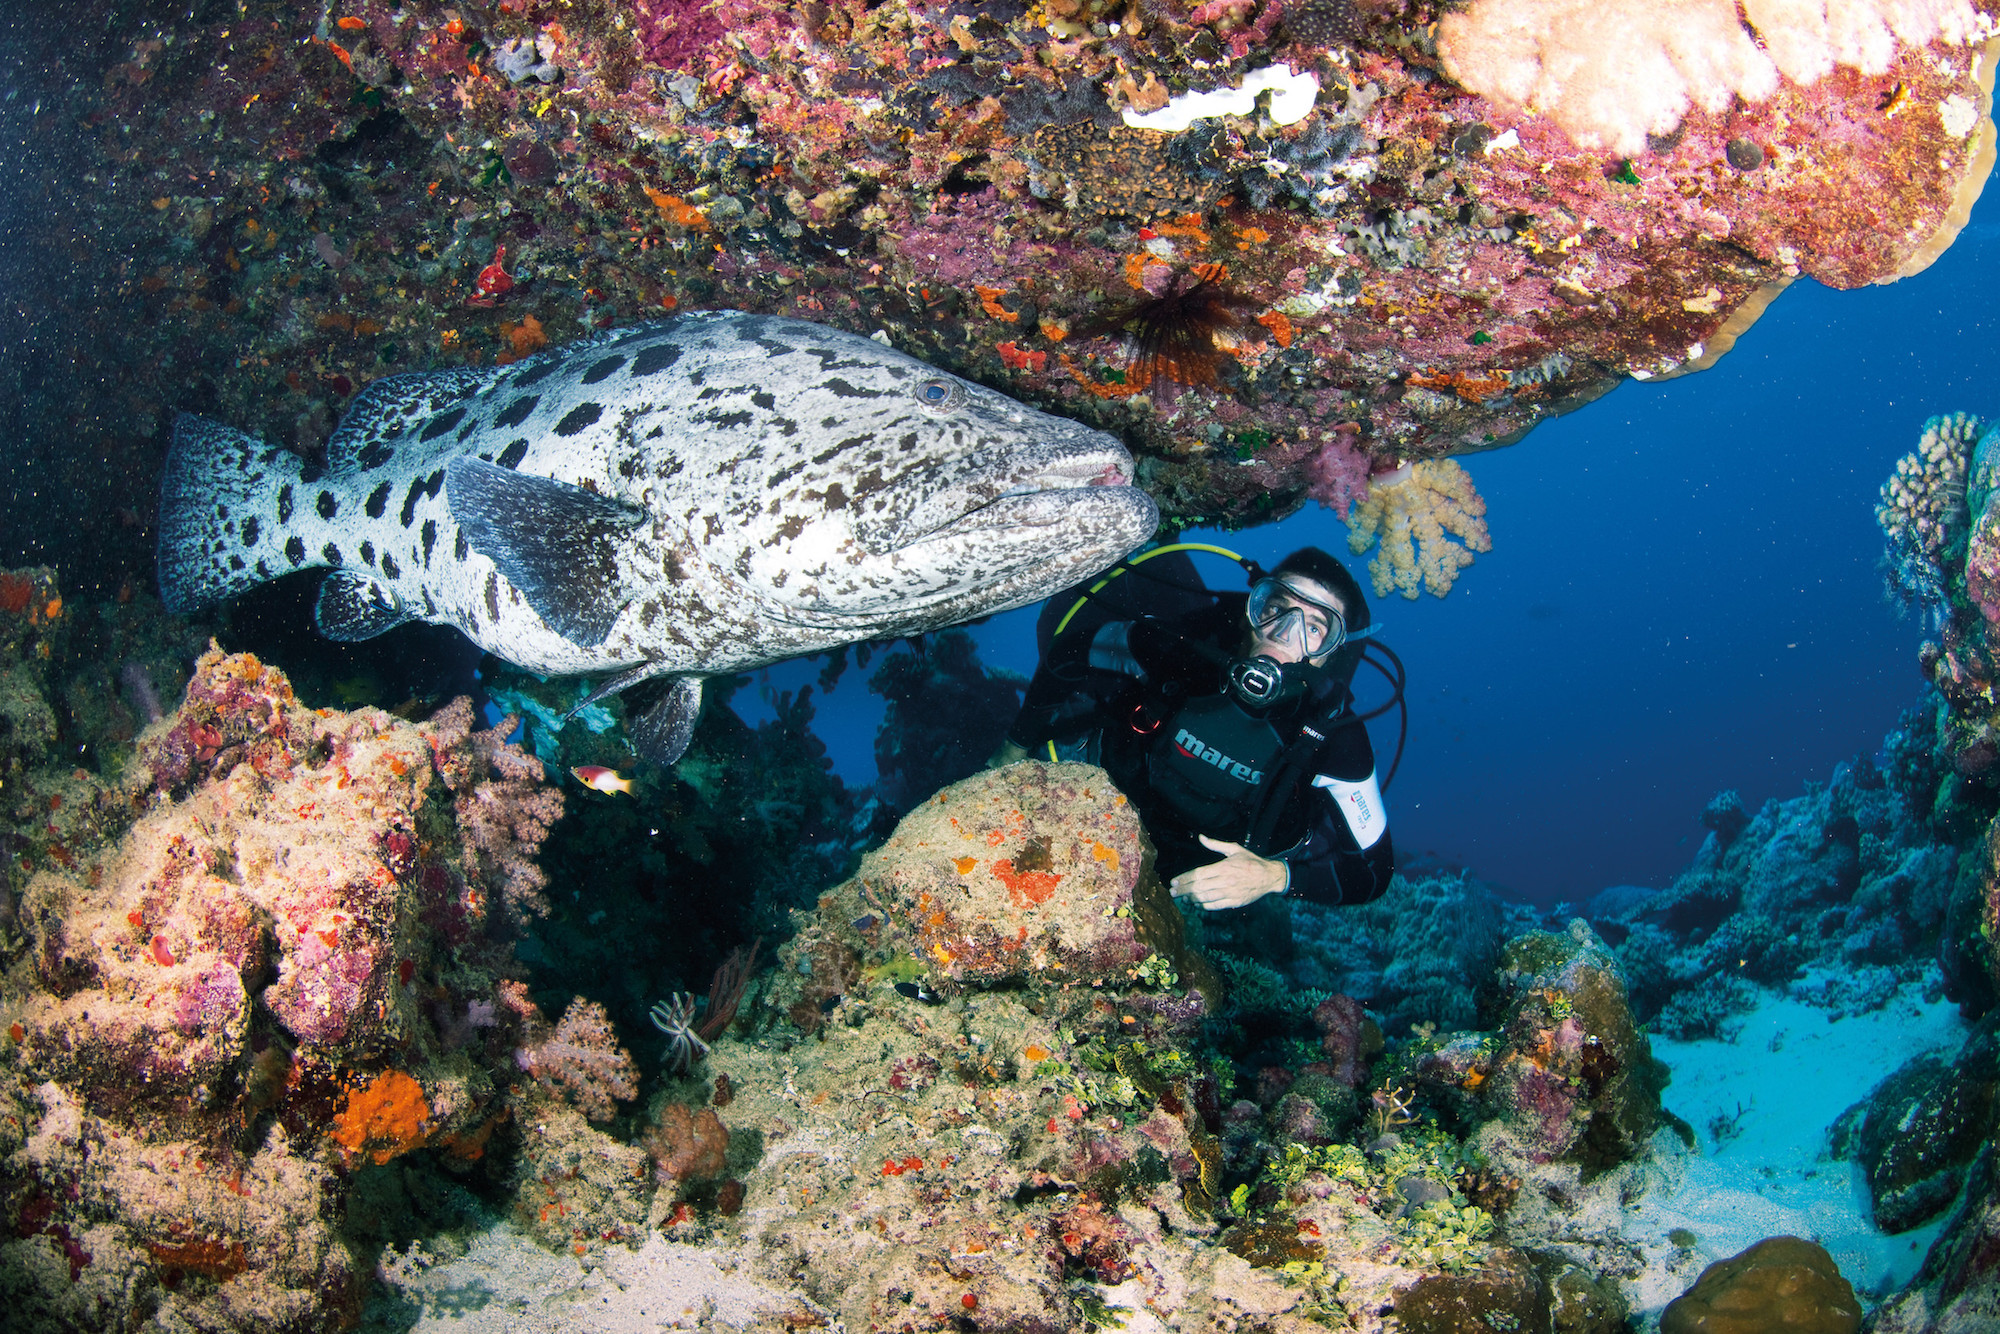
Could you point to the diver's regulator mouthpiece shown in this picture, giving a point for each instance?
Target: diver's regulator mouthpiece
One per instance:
(1262, 681)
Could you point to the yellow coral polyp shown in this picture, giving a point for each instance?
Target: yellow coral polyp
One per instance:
(1416, 512)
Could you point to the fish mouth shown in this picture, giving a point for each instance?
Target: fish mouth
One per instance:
(1041, 498)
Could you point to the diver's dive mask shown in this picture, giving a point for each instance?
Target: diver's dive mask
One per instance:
(1281, 614)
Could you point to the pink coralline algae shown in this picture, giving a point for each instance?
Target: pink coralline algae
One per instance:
(279, 908)
(1424, 266)
(294, 848)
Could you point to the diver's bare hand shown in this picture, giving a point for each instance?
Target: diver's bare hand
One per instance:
(1241, 877)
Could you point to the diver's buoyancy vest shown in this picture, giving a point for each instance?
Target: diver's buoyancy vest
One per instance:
(1209, 762)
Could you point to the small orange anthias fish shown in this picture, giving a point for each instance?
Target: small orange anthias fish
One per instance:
(494, 281)
(600, 779)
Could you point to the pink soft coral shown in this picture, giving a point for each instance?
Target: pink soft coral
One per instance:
(504, 807)
(584, 1059)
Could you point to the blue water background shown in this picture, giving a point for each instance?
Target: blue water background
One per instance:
(1684, 593)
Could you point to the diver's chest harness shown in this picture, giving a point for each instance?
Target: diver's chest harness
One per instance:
(1225, 771)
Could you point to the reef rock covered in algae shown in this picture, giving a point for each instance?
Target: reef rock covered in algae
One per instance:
(1350, 260)
(255, 964)
(969, 1102)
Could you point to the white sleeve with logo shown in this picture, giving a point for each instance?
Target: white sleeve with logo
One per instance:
(1360, 805)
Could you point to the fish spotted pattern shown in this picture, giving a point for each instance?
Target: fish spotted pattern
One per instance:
(672, 500)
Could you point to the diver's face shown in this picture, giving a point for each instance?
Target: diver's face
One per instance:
(1293, 627)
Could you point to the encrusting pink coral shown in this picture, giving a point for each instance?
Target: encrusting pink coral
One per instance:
(263, 957)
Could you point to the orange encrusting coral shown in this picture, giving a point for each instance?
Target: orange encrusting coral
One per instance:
(1471, 388)
(387, 1118)
(1026, 888)
(678, 210)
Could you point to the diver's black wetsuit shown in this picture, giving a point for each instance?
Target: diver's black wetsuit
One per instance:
(1151, 694)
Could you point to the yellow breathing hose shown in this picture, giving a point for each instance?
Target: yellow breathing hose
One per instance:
(1121, 567)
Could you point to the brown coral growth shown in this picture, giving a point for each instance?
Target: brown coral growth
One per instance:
(1117, 171)
(688, 1144)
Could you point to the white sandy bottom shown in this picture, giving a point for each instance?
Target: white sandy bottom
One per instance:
(1790, 1073)
(507, 1284)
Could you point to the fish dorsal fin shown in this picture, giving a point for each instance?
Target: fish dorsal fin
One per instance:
(660, 729)
(395, 412)
(352, 607)
(556, 543)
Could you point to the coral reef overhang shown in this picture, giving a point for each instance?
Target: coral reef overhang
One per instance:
(1406, 267)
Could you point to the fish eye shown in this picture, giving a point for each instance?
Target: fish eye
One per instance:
(938, 394)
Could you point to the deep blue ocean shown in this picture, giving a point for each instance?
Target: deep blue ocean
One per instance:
(1684, 594)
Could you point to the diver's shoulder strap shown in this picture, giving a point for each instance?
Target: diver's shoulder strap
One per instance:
(1283, 780)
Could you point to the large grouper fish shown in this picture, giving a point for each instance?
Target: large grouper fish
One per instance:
(664, 502)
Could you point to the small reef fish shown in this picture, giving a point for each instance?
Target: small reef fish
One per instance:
(702, 495)
(600, 779)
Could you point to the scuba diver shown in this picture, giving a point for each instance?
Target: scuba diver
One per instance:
(1229, 722)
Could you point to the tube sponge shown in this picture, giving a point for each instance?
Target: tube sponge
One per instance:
(1416, 511)
(1610, 72)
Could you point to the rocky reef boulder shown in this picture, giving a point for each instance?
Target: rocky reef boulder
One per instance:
(1035, 874)
(1781, 1285)
(1957, 1291)
(1915, 1135)
(1573, 1078)
(252, 967)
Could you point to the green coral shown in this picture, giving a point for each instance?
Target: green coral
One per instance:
(1446, 1235)
(1156, 972)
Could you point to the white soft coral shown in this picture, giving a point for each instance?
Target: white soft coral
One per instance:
(1610, 72)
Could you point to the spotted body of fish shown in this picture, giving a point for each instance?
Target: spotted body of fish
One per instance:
(664, 502)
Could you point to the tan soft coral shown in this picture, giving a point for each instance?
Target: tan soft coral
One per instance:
(1417, 511)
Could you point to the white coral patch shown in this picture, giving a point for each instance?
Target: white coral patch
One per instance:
(1959, 115)
(1292, 98)
(1610, 72)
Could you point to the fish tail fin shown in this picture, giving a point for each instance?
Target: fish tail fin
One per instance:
(225, 502)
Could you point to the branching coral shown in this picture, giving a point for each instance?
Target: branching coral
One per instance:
(1610, 74)
(584, 1058)
(1923, 510)
(1337, 473)
(1416, 511)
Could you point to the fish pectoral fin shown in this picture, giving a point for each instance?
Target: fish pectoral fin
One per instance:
(660, 729)
(352, 607)
(618, 684)
(556, 543)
